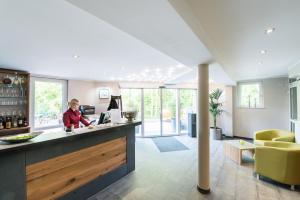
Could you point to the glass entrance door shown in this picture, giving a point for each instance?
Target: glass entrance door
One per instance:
(163, 111)
(187, 99)
(169, 111)
(152, 112)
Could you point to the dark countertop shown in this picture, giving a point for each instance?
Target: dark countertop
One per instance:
(56, 136)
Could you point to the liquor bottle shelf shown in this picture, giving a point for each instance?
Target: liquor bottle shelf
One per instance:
(14, 98)
(13, 131)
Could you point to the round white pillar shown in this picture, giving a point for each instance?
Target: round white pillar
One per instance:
(203, 129)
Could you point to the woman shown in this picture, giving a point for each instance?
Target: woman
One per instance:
(73, 116)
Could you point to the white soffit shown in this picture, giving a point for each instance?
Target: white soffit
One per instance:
(216, 75)
(154, 22)
(234, 32)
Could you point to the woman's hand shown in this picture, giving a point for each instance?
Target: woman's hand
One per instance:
(90, 127)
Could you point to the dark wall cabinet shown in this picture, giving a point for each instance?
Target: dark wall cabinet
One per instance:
(192, 121)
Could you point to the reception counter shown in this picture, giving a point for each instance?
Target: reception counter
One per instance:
(60, 165)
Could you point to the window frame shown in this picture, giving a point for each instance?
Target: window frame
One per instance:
(33, 79)
(261, 94)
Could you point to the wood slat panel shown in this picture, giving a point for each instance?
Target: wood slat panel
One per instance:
(52, 165)
(55, 177)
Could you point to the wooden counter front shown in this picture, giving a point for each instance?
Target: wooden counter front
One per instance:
(67, 166)
(55, 177)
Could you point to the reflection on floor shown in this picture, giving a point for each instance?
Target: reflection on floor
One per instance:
(172, 176)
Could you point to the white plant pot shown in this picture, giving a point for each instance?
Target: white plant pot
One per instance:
(215, 133)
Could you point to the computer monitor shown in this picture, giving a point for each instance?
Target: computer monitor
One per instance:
(104, 118)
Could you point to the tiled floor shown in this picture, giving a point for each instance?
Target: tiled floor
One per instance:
(172, 176)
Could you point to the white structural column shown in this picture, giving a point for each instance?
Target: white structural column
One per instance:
(203, 129)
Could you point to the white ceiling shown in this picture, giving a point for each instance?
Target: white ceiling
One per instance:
(142, 40)
(42, 37)
(145, 41)
(233, 30)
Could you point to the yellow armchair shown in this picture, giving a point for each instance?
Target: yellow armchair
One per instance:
(260, 137)
(279, 161)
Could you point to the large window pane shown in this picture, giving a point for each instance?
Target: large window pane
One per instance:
(152, 112)
(49, 103)
(250, 95)
(187, 99)
(132, 101)
(169, 106)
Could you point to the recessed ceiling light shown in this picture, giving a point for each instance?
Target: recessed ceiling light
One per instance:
(76, 56)
(269, 31)
(263, 51)
(179, 66)
(260, 62)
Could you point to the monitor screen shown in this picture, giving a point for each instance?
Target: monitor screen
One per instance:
(104, 118)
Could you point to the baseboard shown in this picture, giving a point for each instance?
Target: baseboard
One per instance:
(238, 137)
(203, 191)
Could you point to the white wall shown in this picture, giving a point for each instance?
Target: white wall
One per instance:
(275, 113)
(87, 92)
(84, 91)
(225, 120)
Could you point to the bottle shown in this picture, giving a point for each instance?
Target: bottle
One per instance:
(1, 122)
(25, 123)
(20, 121)
(8, 122)
(14, 121)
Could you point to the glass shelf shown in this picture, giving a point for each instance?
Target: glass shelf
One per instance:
(14, 97)
(14, 105)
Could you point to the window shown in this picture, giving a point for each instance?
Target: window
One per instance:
(163, 111)
(48, 102)
(187, 99)
(132, 100)
(250, 95)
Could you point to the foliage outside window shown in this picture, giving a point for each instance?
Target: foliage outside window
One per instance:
(152, 103)
(49, 102)
(169, 104)
(132, 100)
(250, 95)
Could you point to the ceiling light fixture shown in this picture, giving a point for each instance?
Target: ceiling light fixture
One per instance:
(76, 56)
(260, 62)
(171, 69)
(263, 51)
(269, 31)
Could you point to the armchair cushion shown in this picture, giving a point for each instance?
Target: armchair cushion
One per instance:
(260, 137)
(279, 161)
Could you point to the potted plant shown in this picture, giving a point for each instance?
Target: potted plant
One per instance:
(215, 110)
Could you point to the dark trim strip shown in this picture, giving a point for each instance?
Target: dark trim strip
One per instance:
(203, 191)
